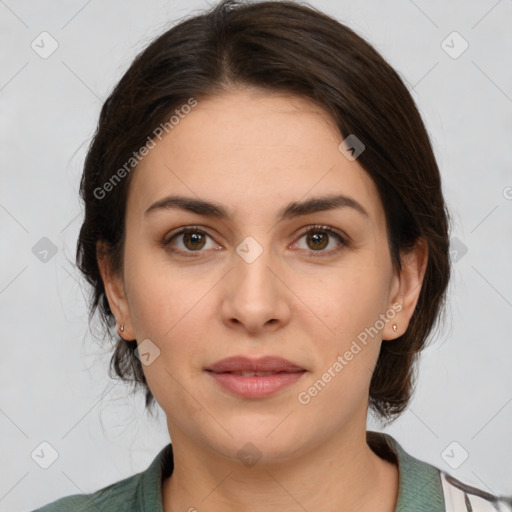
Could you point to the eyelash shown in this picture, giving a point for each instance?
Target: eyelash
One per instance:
(166, 243)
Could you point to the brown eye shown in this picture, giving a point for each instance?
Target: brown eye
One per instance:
(189, 241)
(319, 237)
(193, 240)
(318, 240)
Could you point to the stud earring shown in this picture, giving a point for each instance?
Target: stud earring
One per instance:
(395, 328)
(121, 328)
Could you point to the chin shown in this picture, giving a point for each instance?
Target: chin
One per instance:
(267, 438)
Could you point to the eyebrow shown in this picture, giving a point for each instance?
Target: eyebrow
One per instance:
(290, 211)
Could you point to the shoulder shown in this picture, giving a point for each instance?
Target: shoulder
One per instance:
(461, 496)
(427, 488)
(141, 491)
(121, 495)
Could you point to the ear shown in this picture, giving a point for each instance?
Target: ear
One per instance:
(114, 290)
(406, 288)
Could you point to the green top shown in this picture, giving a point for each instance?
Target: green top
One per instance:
(420, 487)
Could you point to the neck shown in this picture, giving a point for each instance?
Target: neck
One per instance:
(343, 474)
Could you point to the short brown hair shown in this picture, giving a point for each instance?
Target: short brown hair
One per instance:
(296, 49)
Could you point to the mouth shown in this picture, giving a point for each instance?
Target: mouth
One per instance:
(262, 365)
(256, 374)
(254, 378)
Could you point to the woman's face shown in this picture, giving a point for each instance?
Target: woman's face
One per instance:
(251, 282)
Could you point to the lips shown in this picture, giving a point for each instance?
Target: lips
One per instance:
(254, 378)
(246, 366)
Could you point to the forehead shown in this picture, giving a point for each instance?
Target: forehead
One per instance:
(249, 149)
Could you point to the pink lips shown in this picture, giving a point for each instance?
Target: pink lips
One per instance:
(255, 378)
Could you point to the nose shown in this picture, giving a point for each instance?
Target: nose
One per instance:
(254, 297)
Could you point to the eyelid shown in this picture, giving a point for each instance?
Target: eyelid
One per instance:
(166, 242)
(342, 238)
(182, 230)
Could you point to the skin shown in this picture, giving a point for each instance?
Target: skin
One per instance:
(254, 152)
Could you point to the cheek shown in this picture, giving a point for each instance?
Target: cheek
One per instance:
(348, 353)
(352, 299)
(351, 302)
(158, 296)
(169, 307)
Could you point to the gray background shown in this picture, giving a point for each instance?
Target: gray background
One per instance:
(54, 383)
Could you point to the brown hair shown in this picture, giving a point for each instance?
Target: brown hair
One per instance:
(296, 49)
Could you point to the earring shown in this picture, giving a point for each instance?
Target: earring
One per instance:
(395, 328)
(121, 328)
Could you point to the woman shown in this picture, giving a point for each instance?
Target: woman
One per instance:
(265, 225)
